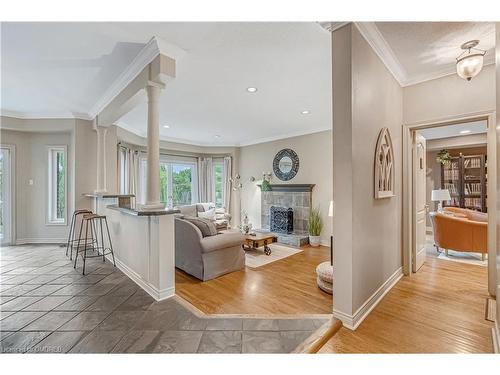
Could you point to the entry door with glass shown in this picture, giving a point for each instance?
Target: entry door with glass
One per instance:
(5, 196)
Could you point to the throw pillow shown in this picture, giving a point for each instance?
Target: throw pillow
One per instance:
(210, 214)
(206, 227)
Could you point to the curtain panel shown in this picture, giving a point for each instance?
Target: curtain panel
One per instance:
(206, 191)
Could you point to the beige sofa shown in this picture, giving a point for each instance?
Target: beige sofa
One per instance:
(207, 257)
(222, 218)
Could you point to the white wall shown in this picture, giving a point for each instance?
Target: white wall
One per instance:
(367, 232)
(31, 158)
(314, 152)
(497, 279)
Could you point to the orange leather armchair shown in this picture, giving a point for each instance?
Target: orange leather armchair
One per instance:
(459, 233)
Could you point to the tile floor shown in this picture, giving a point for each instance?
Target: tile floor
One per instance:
(46, 306)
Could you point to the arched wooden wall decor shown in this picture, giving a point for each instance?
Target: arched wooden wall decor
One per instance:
(384, 166)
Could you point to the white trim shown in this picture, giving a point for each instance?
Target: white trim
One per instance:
(353, 322)
(332, 26)
(375, 39)
(12, 192)
(495, 335)
(51, 177)
(44, 115)
(158, 295)
(24, 241)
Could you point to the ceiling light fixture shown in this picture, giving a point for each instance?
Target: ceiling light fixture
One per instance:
(464, 131)
(166, 126)
(217, 136)
(252, 89)
(471, 60)
(305, 112)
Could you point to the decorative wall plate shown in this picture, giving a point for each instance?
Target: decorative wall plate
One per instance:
(286, 164)
(384, 166)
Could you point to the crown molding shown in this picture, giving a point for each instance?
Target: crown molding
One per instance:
(146, 55)
(142, 134)
(332, 26)
(44, 115)
(375, 39)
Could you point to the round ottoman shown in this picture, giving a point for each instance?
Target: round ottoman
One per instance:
(325, 277)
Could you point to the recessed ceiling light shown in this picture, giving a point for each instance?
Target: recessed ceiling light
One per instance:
(305, 112)
(465, 131)
(166, 126)
(217, 136)
(252, 89)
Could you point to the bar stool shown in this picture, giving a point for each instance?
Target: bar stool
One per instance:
(93, 222)
(71, 237)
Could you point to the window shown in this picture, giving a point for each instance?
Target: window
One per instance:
(57, 180)
(178, 180)
(218, 174)
(178, 183)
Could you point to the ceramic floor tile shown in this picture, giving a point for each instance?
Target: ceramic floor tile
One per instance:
(230, 324)
(137, 342)
(260, 325)
(77, 303)
(20, 290)
(107, 303)
(58, 342)
(262, 342)
(43, 290)
(20, 342)
(50, 321)
(120, 320)
(178, 342)
(220, 342)
(138, 301)
(19, 303)
(98, 342)
(71, 290)
(47, 303)
(84, 321)
(292, 339)
(296, 324)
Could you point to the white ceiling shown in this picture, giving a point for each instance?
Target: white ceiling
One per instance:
(476, 127)
(427, 50)
(64, 70)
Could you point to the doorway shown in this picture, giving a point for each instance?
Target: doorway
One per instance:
(466, 194)
(6, 192)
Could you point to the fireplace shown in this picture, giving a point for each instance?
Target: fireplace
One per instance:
(281, 220)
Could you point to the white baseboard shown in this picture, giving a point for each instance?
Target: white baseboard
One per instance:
(158, 295)
(24, 241)
(495, 334)
(352, 322)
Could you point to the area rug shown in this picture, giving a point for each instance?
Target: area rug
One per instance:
(257, 258)
(469, 258)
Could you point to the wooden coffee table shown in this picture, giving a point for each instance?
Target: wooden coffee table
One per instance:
(253, 242)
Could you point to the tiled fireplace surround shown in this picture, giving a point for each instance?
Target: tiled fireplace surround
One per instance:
(296, 196)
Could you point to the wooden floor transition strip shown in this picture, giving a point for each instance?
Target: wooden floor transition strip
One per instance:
(320, 337)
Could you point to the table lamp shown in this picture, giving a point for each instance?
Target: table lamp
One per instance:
(440, 196)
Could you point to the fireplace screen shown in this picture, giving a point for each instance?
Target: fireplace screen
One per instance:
(281, 220)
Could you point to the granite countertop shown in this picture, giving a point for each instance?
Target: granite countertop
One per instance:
(108, 195)
(140, 212)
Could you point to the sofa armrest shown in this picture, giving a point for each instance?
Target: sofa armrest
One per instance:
(222, 241)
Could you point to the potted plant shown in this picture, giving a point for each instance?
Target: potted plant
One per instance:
(315, 226)
(443, 157)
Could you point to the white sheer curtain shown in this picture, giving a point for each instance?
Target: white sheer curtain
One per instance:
(227, 182)
(128, 169)
(206, 191)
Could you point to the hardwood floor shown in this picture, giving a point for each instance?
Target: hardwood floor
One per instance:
(287, 286)
(441, 309)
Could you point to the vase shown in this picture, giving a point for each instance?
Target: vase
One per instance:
(314, 241)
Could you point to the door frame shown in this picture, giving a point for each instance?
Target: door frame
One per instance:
(12, 177)
(408, 185)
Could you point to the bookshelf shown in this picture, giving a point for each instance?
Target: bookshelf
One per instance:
(465, 177)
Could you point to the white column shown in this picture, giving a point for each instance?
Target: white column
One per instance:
(153, 161)
(101, 158)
